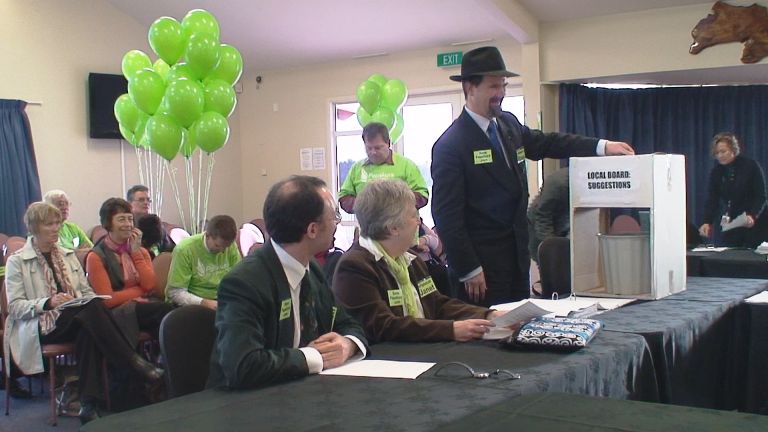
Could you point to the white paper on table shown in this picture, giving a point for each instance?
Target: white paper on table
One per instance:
(709, 249)
(758, 298)
(564, 306)
(522, 311)
(738, 222)
(381, 369)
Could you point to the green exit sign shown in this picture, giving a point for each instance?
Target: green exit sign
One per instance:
(449, 59)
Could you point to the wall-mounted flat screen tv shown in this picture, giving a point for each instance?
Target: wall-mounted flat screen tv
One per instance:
(103, 91)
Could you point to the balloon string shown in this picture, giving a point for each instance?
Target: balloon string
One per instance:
(199, 186)
(141, 169)
(191, 194)
(175, 187)
(211, 161)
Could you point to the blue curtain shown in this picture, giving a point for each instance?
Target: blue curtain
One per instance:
(679, 120)
(19, 180)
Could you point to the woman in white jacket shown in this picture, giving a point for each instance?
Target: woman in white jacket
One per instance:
(47, 303)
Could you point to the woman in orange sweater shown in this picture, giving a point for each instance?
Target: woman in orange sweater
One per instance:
(119, 267)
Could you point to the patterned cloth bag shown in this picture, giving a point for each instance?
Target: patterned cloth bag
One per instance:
(561, 334)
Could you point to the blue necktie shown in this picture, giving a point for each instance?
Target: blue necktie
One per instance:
(493, 135)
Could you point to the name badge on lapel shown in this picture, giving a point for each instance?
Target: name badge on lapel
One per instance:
(395, 297)
(521, 154)
(426, 286)
(285, 309)
(483, 156)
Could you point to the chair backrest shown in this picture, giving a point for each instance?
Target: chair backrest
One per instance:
(13, 244)
(624, 224)
(178, 234)
(256, 230)
(246, 239)
(96, 233)
(162, 265)
(262, 227)
(187, 335)
(555, 266)
(3, 239)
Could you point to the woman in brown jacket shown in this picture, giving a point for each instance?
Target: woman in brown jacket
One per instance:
(389, 290)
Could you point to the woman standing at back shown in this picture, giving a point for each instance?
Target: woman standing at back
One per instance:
(736, 187)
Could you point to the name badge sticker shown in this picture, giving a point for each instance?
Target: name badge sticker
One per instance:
(426, 286)
(395, 297)
(483, 156)
(285, 309)
(521, 154)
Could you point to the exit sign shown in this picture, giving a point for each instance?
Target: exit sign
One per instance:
(449, 59)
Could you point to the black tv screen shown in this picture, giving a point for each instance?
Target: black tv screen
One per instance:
(103, 91)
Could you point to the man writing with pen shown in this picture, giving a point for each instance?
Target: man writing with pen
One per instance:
(277, 319)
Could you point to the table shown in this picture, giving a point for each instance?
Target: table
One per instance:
(614, 365)
(550, 412)
(731, 263)
(698, 339)
(756, 394)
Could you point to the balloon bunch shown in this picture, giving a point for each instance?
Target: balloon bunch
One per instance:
(180, 103)
(380, 101)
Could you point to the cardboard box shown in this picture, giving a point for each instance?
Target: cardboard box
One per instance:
(649, 182)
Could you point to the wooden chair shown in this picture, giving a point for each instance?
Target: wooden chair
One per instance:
(3, 239)
(52, 353)
(162, 265)
(14, 243)
(96, 233)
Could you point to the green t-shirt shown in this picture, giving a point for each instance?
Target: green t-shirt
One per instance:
(403, 169)
(70, 233)
(200, 271)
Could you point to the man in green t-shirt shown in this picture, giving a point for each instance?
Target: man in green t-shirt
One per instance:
(201, 261)
(71, 236)
(381, 163)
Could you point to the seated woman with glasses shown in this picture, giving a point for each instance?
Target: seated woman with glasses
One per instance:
(386, 288)
(119, 267)
(41, 279)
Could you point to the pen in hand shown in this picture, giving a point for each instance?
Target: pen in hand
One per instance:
(333, 316)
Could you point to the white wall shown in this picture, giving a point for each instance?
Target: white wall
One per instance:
(48, 48)
(632, 43)
(291, 109)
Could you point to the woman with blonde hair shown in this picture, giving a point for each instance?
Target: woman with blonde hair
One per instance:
(43, 280)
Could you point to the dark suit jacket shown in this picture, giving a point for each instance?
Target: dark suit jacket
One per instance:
(361, 284)
(476, 203)
(740, 183)
(254, 347)
(549, 213)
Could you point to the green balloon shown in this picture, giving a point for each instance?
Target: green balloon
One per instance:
(219, 97)
(166, 39)
(126, 112)
(397, 130)
(394, 94)
(128, 135)
(178, 71)
(210, 132)
(369, 96)
(133, 62)
(202, 54)
(378, 79)
(200, 21)
(362, 116)
(146, 90)
(188, 145)
(385, 116)
(184, 100)
(141, 127)
(162, 69)
(230, 65)
(164, 136)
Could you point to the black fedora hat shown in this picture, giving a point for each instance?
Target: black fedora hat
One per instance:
(482, 61)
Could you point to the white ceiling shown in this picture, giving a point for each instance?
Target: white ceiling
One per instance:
(274, 34)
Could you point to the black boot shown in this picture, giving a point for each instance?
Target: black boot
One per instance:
(146, 369)
(89, 410)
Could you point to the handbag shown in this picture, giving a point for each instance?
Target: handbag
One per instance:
(559, 334)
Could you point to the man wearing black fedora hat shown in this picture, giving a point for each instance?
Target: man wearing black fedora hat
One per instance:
(480, 188)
